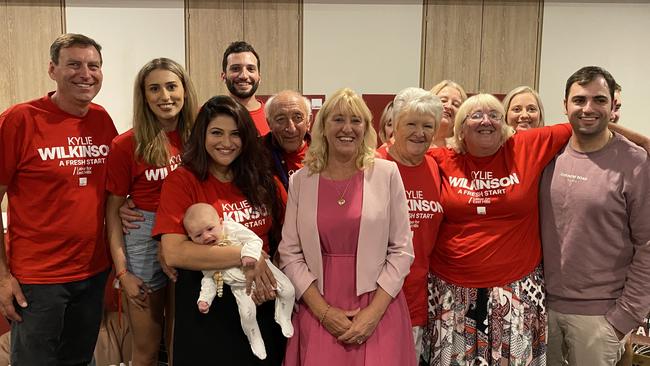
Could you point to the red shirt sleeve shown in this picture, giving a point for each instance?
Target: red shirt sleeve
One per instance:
(119, 164)
(12, 135)
(179, 191)
(539, 145)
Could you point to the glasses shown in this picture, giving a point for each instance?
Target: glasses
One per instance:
(478, 116)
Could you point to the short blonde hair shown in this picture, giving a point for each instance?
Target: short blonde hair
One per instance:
(448, 83)
(342, 101)
(523, 90)
(386, 116)
(416, 100)
(474, 102)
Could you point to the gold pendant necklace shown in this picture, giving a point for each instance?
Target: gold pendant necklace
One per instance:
(341, 201)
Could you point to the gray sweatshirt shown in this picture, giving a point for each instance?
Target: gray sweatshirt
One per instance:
(595, 227)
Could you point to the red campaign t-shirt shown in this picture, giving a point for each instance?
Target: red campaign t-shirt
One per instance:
(422, 186)
(259, 118)
(182, 189)
(128, 175)
(54, 167)
(490, 233)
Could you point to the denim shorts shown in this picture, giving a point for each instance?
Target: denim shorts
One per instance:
(142, 253)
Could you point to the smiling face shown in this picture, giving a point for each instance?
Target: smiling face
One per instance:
(523, 112)
(78, 75)
(222, 142)
(289, 121)
(451, 100)
(344, 134)
(413, 135)
(165, 96)
(242, 77)
(482, 131)
(589, 107)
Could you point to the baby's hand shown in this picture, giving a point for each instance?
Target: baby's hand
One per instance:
(203, 307)
(248, 261)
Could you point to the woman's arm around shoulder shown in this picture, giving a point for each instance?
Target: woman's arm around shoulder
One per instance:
(633, 136)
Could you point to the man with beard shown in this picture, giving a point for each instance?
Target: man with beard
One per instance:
(241, 73)
(595, 232)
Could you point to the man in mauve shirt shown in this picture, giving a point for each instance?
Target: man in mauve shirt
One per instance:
(595, 230)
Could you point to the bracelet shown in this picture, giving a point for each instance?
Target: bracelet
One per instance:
(322, 317)
(121, 273)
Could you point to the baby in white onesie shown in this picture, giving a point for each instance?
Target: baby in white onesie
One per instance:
(204, 226)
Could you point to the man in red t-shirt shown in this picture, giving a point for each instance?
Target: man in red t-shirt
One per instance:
(52, 167)
(289, 116)
(241, 74)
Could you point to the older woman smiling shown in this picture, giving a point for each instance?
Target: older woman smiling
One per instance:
(417, 113)
(487, 285)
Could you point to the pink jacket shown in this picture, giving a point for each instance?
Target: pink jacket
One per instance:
(385, 249)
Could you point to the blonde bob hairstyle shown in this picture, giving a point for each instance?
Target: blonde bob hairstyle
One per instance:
(151, 143)
(418, 101)
(452, 84)
(343, 101)
(523, 90)
(386, 117)
(478, 101)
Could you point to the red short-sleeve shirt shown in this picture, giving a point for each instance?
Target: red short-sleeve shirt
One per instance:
(182, 189)
(129, 175)
(490, 232)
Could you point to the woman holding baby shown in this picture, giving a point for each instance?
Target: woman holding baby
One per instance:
(221, 166)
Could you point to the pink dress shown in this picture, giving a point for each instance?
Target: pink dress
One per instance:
(312, 345)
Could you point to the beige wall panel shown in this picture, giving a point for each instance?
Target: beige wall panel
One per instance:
(510, 44)
(274, 28)
(211, 26)
(452, 43)
(28, 29)
(5, 59)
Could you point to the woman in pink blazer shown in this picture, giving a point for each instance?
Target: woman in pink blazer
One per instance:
(346, 246)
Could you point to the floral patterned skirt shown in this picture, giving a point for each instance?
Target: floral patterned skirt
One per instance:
(487, 326)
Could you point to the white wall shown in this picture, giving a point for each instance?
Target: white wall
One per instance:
(371, 46)
(613, 35)
(374, 46)
(131, 33)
